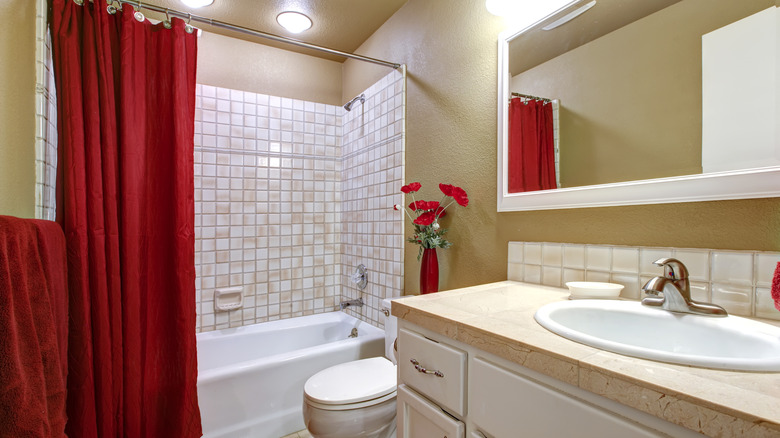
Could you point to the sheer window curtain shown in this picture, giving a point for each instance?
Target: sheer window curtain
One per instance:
(126, 103)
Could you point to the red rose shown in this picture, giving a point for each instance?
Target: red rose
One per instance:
(426, 218)
(410, 188)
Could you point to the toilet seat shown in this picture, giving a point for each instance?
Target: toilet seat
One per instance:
(352, 385)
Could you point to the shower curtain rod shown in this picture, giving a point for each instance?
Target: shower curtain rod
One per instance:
(528, 96)
(257, 33)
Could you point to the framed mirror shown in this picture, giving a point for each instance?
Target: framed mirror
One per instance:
(650, 108)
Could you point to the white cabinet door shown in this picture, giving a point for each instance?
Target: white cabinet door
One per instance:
(419, 418)
(507, 405)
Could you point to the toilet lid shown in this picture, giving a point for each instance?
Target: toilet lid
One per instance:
(352, 382)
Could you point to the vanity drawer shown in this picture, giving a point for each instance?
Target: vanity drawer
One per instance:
(434, 369)
(419, 418)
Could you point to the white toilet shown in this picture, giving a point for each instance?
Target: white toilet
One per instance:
(355, 399)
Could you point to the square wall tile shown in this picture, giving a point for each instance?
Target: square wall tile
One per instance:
(697, 262)
(514, 272)
(532, 253)
(533, 274)
(732, 267)
(552, 254)
(766, 265)
(598, 258)
(625, 260)
(515, 252)
(574, 256)
(736, 299)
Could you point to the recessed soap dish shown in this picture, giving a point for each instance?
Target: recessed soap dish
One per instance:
(228, 299)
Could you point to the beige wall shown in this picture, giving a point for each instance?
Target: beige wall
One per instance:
(17, 108)
(243, 65)
(451, 137)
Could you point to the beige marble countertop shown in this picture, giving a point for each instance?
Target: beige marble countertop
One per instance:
(498, 318)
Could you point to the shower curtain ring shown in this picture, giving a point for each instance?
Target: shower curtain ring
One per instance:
(138, 15)
(167, 22)
(188, 27)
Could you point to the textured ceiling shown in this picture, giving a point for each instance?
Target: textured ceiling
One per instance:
(338, 24)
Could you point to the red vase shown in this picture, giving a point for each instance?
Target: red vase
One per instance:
(429, 271)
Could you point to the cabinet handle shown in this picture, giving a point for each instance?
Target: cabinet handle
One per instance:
(419, 368)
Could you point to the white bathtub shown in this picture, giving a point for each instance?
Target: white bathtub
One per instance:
(250, 379)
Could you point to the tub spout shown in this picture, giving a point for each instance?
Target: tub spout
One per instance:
(344, 304)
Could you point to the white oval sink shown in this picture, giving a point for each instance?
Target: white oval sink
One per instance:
(628, 327)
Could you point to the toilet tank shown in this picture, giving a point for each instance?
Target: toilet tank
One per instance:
(391, 328)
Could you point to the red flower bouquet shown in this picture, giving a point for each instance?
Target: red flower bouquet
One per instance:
(425, 215)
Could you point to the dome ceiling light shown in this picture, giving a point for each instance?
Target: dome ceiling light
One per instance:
(294, 22)
(197, 3)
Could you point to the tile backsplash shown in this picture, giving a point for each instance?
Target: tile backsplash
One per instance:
(740, 281)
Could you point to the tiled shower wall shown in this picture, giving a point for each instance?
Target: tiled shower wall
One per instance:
(740, 281)
(371, 230)
(45, 119)
(270, 175)
(267, 191)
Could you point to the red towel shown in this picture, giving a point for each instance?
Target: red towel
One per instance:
(33, 328)
(776, 287)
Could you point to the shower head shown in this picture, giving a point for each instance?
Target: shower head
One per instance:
(348, 105)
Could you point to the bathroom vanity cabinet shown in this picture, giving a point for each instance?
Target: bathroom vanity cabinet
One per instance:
(454, 390)
(505, 376)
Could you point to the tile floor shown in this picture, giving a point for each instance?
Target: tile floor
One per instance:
(300, 434)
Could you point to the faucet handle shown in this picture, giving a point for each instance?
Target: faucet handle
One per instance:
(673, 268)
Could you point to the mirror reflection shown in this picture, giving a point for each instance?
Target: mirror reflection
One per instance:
(625, 81)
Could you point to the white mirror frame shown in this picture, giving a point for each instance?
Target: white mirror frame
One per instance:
(744, 184)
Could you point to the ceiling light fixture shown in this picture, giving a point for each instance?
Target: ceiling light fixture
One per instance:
(570, 16)
(294, 22)
(197, 3)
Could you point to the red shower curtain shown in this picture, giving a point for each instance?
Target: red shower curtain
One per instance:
(531, 152)
(126, 95)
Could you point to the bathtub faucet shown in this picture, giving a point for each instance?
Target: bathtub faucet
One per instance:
(358, 302)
